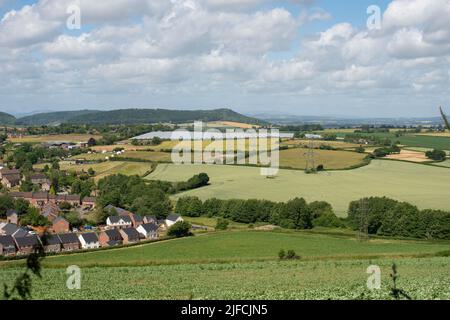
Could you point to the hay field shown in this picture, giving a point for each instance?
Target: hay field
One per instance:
(422, 185)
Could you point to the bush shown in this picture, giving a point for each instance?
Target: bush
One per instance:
(281, 254)
(222, 224)
(180, 229)
(436, 155)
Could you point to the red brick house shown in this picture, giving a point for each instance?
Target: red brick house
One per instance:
(110, 238)
(129, 235)
(27, 245)
(60, 225)
(52, 244)
(7, 246)
(69, 242)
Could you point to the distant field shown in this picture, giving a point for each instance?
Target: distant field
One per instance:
(110, 148)
(408, 155)
(145, 155)
(230, 124)
(60, 137)
(425, 186)
(104, 169)
(244, 265)
(318, 143)
(296, 158)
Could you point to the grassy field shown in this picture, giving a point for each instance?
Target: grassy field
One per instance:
(424, 186)
(334, 144)
(106, 168)
(244, 265)
(296, 158)
(144, 155)
(245, 246)
(59, 137)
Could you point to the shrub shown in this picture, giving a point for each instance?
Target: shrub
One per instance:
(222, 224)
(180, 229)
(281, 254)
(436, 155)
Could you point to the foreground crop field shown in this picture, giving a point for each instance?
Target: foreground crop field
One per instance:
(422, 185)
(248, 269)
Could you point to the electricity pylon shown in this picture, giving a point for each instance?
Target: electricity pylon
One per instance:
(310, 158)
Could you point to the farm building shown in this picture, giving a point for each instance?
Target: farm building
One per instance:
(89, 241)
(69, 242)
(129, 235)
(148, 230)
(172, 219)
(7, 246)
(110, 238)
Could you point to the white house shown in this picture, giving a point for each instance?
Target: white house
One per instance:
(172, 219)
(89, 241)
(119, 222)
(148, 230)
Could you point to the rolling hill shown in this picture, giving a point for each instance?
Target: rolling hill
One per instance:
(136, 116)
(52, 118)
(6, 118)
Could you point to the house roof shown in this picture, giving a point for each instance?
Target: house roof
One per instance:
(7, 241)
(89, 199)
(11, 212)
(120, 211)
(20, 233)
(50, 209)
(173, 217)
(59, 219)
(68, 238)
(28, 241)
(40, 195)
(137, 218)
(51, 240)
(38, 176)
(113, 243)
(89, 237)
(132, 233)
(9, 171)
(12, 177)
(149, 227)
(10, 228)
(149, 218)
(113, 233)
(116, 219)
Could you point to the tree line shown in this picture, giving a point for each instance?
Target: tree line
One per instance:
(294, 214)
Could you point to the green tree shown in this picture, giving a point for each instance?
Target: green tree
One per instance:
(180, 229)
(222, 224)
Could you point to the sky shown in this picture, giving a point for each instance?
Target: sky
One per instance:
(291, 57)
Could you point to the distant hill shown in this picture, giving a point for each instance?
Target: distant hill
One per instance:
(136, 116)
(6, 118)
(52, 118)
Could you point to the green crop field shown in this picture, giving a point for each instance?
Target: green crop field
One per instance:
(330, 267)
(245, 246)
(424, 186)
(296, 158)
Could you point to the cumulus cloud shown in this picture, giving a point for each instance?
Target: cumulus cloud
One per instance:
(207, 48)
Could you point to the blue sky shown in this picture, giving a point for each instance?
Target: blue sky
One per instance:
(299, 57)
